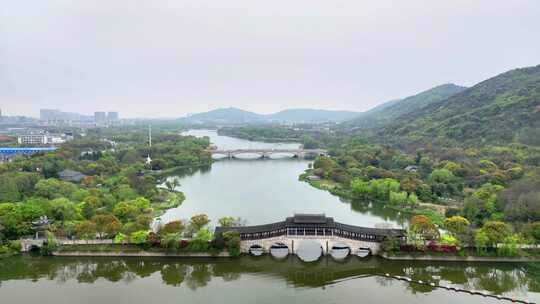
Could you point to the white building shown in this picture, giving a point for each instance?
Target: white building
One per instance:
(33, 139)
(43, 139)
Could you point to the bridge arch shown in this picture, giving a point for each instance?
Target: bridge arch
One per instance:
(340, 250)
(310, 250)
(279, 250)
(256, 250)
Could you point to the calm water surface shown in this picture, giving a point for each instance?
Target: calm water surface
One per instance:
(264, 191)
(252, 280)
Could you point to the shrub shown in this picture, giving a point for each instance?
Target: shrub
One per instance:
(153, 239)
(449, 240)
(171, 241)
(4, 249)
(198, 246)
(15, 245)
(139, 237)
(172, 227)
(184, 244)
(120, 238)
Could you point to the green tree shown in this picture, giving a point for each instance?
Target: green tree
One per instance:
(52, 188)
(359, 188)
(139, 237)
(171, 240)
(398, 198)
(443, 182)
(120, 238)
(496, 232)
(228, 221)
(232, 242)
(481, 240)
(172, 183)
(412, 199)
(204, 234)
(125, 193)
(198, 221)
(107, 225)
(64, 210)
(86, 230)
(458, 226)
(535, 231)
(8, 190)
(174, 227)
(423, 226)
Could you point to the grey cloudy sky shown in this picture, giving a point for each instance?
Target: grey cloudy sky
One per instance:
(172, 57)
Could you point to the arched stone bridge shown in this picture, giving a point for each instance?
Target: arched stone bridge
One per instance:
(319, 228)
(266, 153)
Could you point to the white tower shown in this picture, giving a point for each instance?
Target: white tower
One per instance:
(148, 159)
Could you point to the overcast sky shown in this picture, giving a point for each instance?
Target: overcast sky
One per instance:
(169, 58)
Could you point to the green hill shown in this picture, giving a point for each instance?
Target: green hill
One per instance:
(224, 115)
(388, 111)
(502, 109)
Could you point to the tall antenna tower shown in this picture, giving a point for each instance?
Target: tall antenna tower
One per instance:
(148, 159)
(150, 135)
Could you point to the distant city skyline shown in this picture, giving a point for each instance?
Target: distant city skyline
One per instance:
(170, 58)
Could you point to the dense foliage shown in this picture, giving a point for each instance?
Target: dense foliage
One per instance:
(500, 110)
(118, 194)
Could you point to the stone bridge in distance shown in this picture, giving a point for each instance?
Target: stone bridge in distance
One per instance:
(267, 153)
(292, 232)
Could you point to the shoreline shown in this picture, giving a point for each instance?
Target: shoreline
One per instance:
(449, 258)
(223, 254)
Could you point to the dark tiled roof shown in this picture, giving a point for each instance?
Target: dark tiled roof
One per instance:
(309, 219)
(71, 175)
(312, 221)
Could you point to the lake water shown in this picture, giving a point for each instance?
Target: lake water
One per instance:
(264, 191)
(27, 280)
(260, 191)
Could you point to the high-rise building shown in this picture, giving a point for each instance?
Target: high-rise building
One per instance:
(49, 114)
(100, 117)
(112, 116)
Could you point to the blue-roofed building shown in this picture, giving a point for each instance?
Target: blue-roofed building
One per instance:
(9, 151)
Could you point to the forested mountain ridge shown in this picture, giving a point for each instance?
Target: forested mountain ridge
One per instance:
(224, 115)
(237, 116)
(388, 111)
(499, 110)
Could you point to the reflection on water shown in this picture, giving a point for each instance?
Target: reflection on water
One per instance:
(30, 274)
(309, 250)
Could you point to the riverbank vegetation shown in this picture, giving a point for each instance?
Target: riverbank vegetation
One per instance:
(485, 187)
(471, 155)
(100, 181)
(175, 237)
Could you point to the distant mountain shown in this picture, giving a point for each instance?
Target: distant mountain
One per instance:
(311, 115)
(226, 116)
(499, 110)
(388, 111)
(238, 116)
